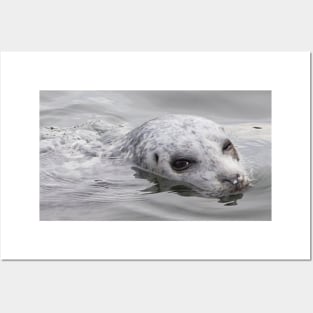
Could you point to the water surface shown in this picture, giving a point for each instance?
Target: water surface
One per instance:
(76, 183)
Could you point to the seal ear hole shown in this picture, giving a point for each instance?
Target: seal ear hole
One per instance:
(156, 157)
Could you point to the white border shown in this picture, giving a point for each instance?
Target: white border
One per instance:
(23, 236)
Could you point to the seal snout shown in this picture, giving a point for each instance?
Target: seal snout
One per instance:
(235, 182)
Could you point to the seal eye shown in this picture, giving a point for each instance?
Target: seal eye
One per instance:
(181, 164)
(227, 146)
(229, 149)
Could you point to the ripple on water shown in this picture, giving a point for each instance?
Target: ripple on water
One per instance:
(78, 183)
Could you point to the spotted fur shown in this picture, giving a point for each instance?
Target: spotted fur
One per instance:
(155, 144)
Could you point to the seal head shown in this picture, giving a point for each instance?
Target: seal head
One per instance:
(186, 149)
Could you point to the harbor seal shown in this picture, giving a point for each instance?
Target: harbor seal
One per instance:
(185, 149)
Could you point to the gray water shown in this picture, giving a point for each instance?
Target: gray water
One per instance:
(76, 183)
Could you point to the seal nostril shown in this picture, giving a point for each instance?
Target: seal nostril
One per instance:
(235, 180)
(227, 180)
(240, 178)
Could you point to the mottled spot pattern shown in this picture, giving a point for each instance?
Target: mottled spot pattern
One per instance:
(183, 136)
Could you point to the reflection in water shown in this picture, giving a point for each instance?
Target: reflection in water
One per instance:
(161, 184)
